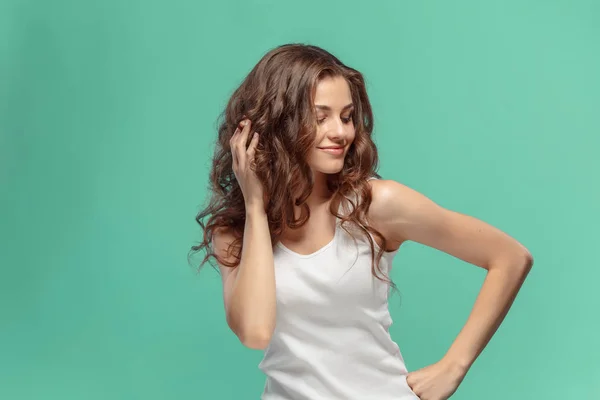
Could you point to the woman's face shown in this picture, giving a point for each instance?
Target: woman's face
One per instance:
(335, 128)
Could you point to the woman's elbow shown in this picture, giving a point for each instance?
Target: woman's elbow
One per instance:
(527, 260)
(251, 337)
(257, 340)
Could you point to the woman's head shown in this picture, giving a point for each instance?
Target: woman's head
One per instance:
(299, 98)
(280, 96)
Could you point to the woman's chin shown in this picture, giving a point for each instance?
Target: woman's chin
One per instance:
(329, 169)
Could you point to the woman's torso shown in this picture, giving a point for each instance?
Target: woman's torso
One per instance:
(331, 339)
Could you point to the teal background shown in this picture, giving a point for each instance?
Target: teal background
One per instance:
(107, 121)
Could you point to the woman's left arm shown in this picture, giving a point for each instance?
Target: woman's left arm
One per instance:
(405, 214)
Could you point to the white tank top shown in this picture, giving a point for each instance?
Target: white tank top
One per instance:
(331, 338)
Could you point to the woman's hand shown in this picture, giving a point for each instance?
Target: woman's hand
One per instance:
(243, 165)
(437, 381)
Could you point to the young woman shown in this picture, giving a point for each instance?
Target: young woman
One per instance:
(304, 232)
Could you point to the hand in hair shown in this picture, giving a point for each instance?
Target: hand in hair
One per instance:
(243, 164)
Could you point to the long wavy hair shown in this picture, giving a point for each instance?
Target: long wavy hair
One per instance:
(277, 96)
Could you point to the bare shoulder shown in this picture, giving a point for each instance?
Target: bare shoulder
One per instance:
(392, 199)
(393, 204)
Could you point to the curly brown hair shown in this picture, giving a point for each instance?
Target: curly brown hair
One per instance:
(277, 96)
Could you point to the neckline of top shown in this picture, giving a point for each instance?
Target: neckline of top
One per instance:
(331, 242)
(316, 252)
(323, 248)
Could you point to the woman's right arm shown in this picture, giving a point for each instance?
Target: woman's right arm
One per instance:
(249, 288)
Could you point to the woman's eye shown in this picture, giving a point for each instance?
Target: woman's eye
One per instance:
(344, 120)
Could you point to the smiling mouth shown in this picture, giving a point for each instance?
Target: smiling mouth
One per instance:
(333, 150)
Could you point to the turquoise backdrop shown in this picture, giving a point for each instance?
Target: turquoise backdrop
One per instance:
(107, 122)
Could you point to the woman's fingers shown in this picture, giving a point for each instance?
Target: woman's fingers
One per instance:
(242, 142)
(240, 151)
(252, 146)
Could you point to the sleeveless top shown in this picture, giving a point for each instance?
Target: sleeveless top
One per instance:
(331, 338)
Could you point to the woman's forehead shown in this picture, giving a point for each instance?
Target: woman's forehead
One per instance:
(333, 94)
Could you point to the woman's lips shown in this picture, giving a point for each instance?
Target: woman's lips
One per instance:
(335, 151)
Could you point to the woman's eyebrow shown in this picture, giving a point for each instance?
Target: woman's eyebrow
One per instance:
(327, 108)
